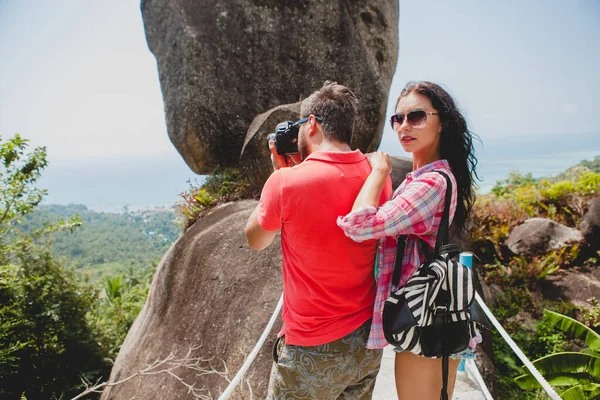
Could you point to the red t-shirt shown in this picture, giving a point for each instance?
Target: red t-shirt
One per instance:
(328, 280)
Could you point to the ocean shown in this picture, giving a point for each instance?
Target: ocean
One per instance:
(111, 184)
(541, 156)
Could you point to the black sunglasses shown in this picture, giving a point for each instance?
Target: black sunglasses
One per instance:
(305, 119)
(415, 118)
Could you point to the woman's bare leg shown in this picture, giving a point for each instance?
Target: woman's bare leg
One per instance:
(421, 377)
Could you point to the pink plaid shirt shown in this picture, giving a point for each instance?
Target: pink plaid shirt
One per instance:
(415, 210)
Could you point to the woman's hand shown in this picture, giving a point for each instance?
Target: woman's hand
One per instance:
(380, 161)
(370, 194)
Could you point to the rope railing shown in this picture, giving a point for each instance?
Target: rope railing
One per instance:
(244, 368)
(470, 365)
(536, 374)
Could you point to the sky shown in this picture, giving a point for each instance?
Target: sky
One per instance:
(77, 77)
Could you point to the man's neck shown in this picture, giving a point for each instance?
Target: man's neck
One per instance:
(330, 145)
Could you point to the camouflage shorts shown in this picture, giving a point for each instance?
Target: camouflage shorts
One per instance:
(343, 369)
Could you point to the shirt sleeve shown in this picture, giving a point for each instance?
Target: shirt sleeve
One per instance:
(411, 211)
(270, 210)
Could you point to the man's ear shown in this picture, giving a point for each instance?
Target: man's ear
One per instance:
(313, 125)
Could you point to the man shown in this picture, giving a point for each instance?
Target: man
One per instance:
(328, 279)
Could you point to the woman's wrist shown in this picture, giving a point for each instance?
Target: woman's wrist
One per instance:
(381, 172)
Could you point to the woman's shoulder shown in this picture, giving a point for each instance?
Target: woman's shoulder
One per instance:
(434, 177)
(438, 171)
(428, 176)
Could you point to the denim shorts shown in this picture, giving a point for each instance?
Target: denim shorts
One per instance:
(468, 353)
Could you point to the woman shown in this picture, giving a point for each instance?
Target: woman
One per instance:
(430, 126)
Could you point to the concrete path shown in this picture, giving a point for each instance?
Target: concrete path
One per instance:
(385, 389)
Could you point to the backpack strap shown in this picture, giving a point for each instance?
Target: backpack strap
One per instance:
(443, 230)
(400, 247)
(441, 238)
(444, 393)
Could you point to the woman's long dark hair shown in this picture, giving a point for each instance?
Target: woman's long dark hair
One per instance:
(456, 145)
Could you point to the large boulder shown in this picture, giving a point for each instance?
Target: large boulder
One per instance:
(400, 167)
(576, 286)
(211, 293)
(259, 167)
(223, 63)
(539, 235)
(590, 224)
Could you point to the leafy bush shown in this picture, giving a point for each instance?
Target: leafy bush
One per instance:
(591, 316)
(219, 187)
(528, 271)
(494, 218)
(45, 341)
(519, 197)
(514, 180)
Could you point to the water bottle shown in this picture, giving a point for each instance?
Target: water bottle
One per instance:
(466, 259)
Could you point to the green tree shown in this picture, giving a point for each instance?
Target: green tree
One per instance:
(46, 343)
(109, 243)
(113, 314)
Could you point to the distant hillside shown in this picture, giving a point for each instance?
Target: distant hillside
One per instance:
(594, 165)
(570, 173)
(108, 243)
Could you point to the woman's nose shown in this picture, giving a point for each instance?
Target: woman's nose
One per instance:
(404, 127)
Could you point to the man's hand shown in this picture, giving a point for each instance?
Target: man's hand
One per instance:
(283, 161)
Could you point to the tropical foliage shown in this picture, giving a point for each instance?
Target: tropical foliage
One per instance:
(577, 373)
(520, 278)
(46, 343)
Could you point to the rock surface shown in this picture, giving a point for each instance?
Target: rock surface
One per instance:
(223, 63)
(400, 167)
(576, 286)
(259, 167)
(590, 223)
(539, 235)
(210, 292)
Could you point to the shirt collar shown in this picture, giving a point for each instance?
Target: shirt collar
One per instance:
(344, 157)
(439, 164)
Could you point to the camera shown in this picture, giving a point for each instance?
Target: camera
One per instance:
(285, 137)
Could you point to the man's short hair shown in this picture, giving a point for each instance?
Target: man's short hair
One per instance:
(337, 105)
